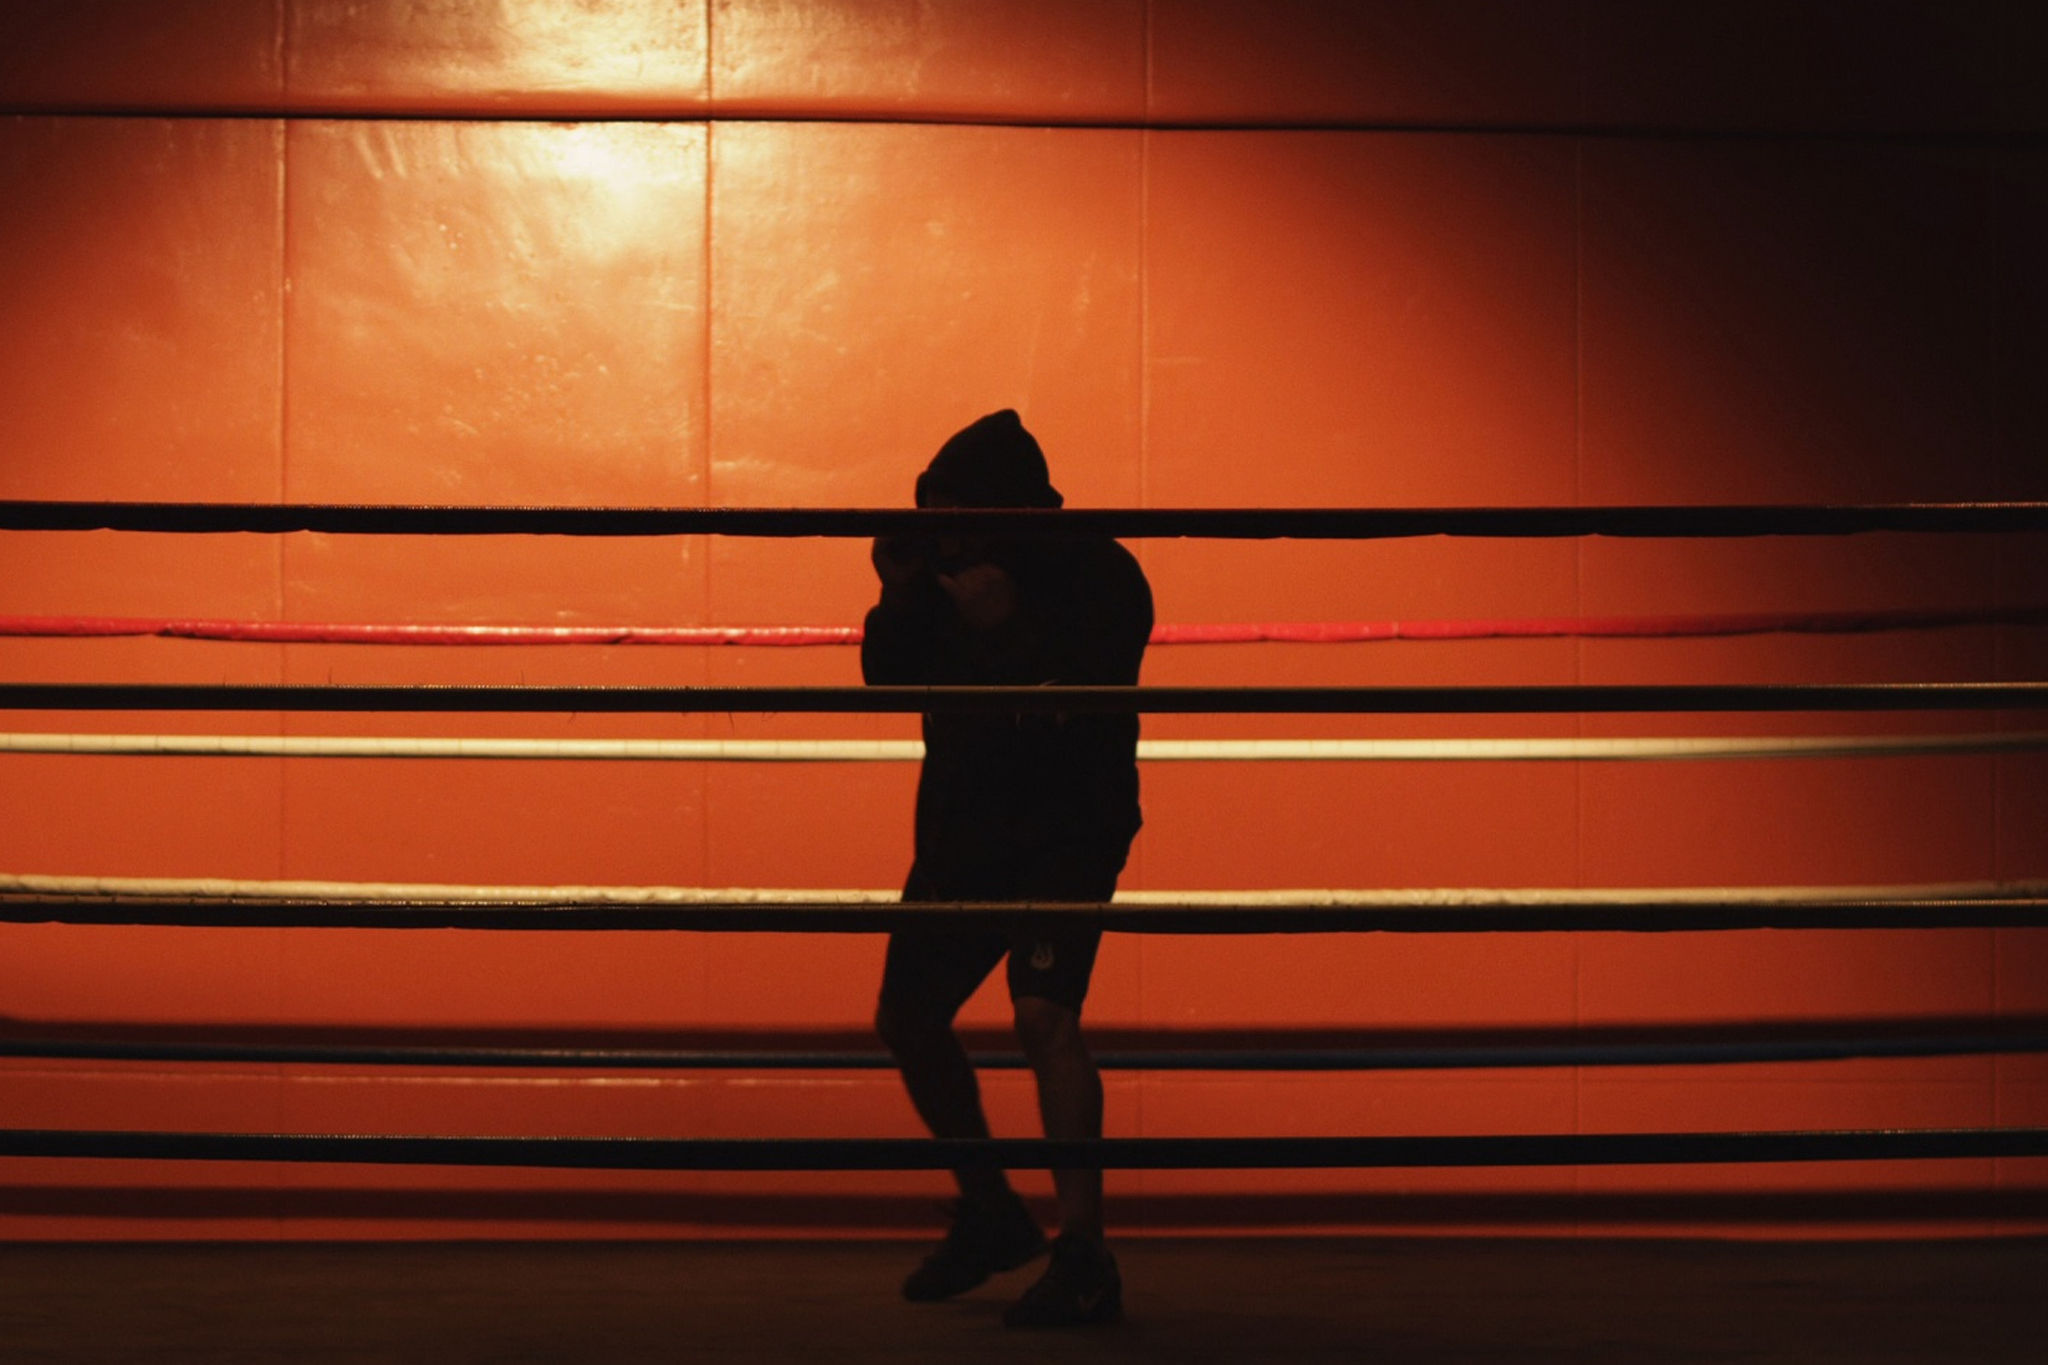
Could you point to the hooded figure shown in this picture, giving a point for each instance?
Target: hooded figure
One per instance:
(992, 463)
(1027, 806)
(1018, 612)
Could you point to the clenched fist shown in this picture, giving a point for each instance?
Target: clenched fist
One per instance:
(896, 563)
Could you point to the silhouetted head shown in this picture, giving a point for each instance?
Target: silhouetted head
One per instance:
(992, 463)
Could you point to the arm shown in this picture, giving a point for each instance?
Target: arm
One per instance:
(907, 638)
(1107, 620)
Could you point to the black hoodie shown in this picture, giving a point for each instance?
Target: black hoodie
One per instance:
(999, 788)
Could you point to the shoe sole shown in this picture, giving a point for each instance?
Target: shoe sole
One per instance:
(1103, 1314)
(1095, 1319)
(998, 1269)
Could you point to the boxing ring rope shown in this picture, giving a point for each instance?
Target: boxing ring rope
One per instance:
(1531, 700)
(35, 899)
(1202, 633)
(1977, 1040)
(26, 899)
(1294, 523)
(932, 1154)
(911, 750)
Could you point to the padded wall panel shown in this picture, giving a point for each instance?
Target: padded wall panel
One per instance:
(1788, 323)
(1810, 64)
(496, 314)
(1051, 60)
(1857, 975)
(525, 57)
(2021, 196)
(141, 289)
(487, 312)
(1357, 319)
(141, 54)
(1354, 320)
(1364, 61)
(139, 264)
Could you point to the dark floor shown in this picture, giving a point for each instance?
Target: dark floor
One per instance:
(1212, 1300)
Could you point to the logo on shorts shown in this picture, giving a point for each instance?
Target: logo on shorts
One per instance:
(1041, 958)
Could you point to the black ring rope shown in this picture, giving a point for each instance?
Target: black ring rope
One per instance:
(1589, 916)
(1948, 696)
(574, 111)
(1130, 523)
(1115, 1059)
(925, 1154)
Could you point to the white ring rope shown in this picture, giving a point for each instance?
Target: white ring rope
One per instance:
(910, 750)
(227, 889)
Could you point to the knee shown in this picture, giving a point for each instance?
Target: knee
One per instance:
(1045, 1029)
(909, 1032)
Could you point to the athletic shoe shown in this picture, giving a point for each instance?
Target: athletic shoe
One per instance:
(983, 1241)
(1081, 1287)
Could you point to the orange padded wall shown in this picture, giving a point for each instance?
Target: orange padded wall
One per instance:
(1219, 253)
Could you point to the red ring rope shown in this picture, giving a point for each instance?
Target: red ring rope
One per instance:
(1290, 632)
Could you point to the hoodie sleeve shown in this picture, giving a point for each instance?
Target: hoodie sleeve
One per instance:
(909, 637)
(1083, 618)
(1102, 610)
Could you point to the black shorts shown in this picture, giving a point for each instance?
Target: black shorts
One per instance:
(934, 971)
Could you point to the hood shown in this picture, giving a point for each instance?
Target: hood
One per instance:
(994, 462)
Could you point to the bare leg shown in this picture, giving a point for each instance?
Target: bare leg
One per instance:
(944, 1091)
(1069, 1103)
